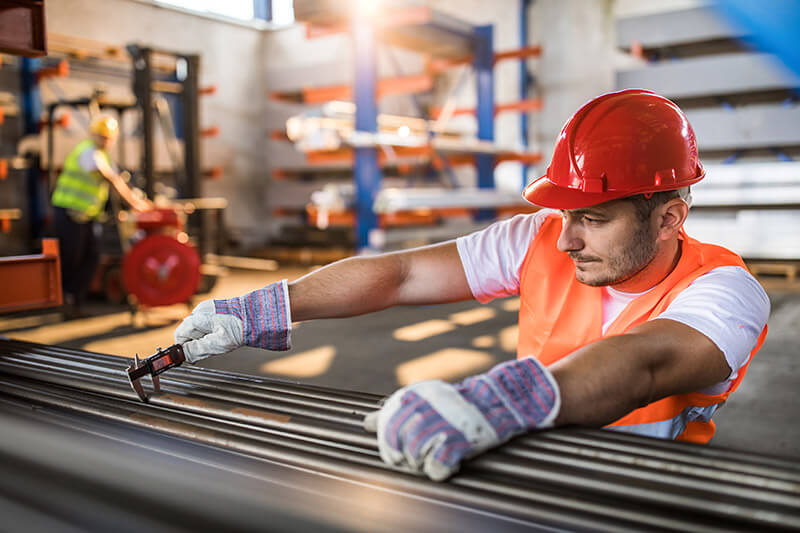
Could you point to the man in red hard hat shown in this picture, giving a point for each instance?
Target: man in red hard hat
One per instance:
(625, 321)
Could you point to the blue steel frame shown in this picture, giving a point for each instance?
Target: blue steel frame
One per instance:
(262, 9)
(31, 114)
(483, 64)
(774, 27)
(523, 82)
(367, 173)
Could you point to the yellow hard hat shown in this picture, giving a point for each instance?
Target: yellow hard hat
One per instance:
(105, 126)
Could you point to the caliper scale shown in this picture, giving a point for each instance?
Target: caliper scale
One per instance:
(154, 365)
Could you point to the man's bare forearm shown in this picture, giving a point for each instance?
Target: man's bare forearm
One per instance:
(119, 185)
(597, 386)
(605, 380)
(349, 287)
(127, 194)
(360, 285)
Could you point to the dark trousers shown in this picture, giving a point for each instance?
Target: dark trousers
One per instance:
(80, 253)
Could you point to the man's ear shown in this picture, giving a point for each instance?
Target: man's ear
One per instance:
(671, 217)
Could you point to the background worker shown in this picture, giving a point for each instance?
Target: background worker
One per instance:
(79, 199)
(625, 321)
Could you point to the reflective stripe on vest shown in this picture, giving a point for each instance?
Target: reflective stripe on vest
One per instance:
(85, 192)
(674, 427)
(558, 315)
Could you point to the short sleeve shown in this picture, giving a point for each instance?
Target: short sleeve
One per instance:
(728, 306)
(492, 257)
(86, 160)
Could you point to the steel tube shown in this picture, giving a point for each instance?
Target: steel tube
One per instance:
(82, 356)
(177, 375)
(697, 451)
(186, 425)
(539, 441)
(690, 497)
(276, 452)
(183, 403)
(571, 478)
(670, 461)
(379, 474)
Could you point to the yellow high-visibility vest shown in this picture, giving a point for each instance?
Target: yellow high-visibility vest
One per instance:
(76, 189)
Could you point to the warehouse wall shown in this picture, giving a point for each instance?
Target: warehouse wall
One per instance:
(578, 62)
(231, 60)
(577, 39)
(293, 61)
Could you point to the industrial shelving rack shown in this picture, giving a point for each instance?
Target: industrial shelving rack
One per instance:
(744, 108)
(448, 42)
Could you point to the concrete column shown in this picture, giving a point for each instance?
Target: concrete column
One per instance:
(577, 39)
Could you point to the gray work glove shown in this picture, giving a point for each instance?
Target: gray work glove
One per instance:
(260, 319)
(431, 426)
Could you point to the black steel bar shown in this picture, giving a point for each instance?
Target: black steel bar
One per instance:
(759, 507)
(491, 494)
(159, 419)
(116, 364)
(143, 89)
(263, 388)
(539, 474)
(193, 187)
(312, 409)
(77, 481)
(290, 386)
(617, 473)
(648, 457)
(644, 448)
(540, 441)
(697, 450)
(229, 410)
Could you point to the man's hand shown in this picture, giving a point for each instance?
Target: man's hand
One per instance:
(260, 319)
(432, 426)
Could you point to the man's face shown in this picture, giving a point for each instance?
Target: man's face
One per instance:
(608, 243)
(103, 142)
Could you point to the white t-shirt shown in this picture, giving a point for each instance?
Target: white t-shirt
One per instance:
(86, 160)
(726, 304)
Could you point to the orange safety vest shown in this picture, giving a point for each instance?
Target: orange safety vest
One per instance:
(558, 315)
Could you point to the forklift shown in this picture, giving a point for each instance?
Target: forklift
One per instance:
(155, 258)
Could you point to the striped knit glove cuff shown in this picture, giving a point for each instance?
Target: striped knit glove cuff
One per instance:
(265, 316)
(431, 426)
(514, 397)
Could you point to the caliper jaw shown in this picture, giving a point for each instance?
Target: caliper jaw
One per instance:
(154, 365)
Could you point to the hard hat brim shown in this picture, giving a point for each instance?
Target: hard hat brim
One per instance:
(543, 193)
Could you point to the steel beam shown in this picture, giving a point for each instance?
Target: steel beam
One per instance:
(38, 199)
(367, 172)
(755, 126)
(678, 27)
(773, 27)
(523, 83)
(711, 76)
(573, 479)
(483, 64)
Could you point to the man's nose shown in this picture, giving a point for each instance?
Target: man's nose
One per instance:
(569, 240)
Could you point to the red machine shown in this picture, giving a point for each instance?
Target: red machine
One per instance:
(161, 268)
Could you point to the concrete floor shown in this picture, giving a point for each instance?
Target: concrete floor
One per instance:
(380, 352)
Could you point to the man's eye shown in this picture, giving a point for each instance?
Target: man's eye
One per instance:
(592, 220)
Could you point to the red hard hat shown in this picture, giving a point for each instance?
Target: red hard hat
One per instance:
(619, 144)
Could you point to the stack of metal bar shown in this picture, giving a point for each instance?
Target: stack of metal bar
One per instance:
(242, 453)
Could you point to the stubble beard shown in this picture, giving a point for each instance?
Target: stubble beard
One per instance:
(636, 255)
